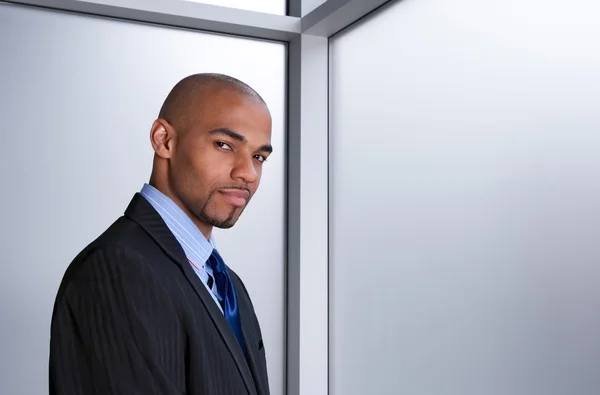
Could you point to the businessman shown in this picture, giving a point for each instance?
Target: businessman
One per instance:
(150, 306)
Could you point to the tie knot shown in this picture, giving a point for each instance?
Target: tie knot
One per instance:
(215, 262)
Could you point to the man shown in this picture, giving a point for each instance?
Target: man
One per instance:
(150, 307)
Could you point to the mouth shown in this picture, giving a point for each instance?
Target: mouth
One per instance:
(235, 197)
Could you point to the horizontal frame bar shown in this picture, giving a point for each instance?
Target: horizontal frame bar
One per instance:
(334, 16)
(184, 14)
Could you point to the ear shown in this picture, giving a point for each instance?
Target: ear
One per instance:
(161, 137)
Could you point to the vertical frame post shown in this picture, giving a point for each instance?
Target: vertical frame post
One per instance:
(308, 148)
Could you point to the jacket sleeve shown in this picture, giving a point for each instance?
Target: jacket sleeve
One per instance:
(115, 329)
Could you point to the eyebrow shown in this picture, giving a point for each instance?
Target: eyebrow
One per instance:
(236, 136)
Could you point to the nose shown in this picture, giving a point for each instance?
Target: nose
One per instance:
(244, 170)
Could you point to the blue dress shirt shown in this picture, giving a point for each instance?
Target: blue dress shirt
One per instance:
(197, 249)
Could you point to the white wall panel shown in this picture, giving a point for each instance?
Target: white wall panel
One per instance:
(465, 200)
(79, 95)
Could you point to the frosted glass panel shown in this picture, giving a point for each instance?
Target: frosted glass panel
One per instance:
(79, 95)
(278, 7)
(465, 200)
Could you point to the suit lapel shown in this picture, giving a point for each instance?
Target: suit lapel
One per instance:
(221, 324)
(141, 212)
(253, 364)
(250, 341)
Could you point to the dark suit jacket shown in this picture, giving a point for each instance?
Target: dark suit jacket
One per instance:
(131, 317)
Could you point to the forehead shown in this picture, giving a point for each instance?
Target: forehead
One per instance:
(239, 112)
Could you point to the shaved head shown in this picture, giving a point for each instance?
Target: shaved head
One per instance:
(211, 139)
(188, 97)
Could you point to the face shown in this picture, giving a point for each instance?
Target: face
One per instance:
(216, 164)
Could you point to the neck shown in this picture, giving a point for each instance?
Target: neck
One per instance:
(203, 227)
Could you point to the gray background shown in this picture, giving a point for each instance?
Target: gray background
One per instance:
(465, 184)
(79, 95)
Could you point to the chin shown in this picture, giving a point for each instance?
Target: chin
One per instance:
(223, 224)
(225, 221)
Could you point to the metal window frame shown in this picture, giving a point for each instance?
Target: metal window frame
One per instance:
(307, 35)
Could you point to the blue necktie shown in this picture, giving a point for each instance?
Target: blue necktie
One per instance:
(227, 295)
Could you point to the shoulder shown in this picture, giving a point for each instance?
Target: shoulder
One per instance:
(116, 257)
(100, 263)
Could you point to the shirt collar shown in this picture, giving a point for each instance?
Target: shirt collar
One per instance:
(194, 244)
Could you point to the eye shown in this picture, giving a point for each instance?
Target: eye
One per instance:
(260, 158)
(223, 145)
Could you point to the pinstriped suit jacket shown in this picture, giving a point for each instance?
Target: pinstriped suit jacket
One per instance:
(131, 317)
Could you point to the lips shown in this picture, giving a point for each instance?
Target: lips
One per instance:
(235, 197)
